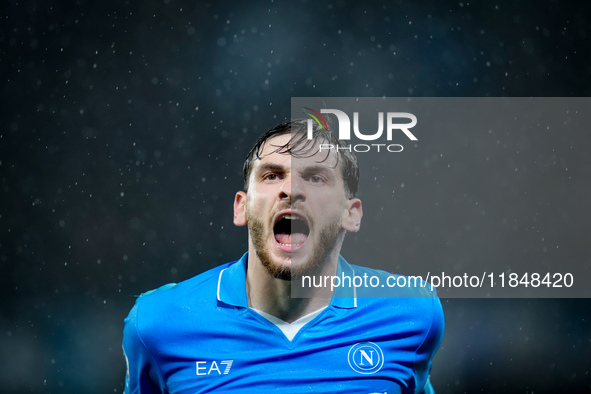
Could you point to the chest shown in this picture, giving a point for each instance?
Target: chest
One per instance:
(255, 356)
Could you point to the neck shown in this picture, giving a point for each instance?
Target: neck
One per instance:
(273, 296)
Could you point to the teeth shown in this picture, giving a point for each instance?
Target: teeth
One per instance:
(290, 217)
(296, 245)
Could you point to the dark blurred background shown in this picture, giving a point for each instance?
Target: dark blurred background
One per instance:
(124, 125)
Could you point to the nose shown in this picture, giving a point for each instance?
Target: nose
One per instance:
(291, 189)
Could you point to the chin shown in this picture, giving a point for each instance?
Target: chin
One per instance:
(287, 268)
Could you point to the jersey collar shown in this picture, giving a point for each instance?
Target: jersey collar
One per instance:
(232, 283)
(344, 297)
(231, 288)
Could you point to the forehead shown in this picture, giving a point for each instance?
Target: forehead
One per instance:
(301, 156)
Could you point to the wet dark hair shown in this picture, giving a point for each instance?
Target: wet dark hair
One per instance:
(300, 146)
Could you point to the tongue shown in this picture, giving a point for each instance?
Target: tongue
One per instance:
(291, 239)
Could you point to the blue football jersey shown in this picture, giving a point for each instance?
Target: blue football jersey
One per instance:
(200, 336)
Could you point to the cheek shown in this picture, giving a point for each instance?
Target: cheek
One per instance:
(250, 210)
(255, 206)
(344, 214)
(331, 216)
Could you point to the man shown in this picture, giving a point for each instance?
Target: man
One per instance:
(237, 329)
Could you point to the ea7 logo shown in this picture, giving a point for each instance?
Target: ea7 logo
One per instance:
(207, 367)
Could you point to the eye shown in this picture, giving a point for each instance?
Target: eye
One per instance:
(270, 177)
(316, 179)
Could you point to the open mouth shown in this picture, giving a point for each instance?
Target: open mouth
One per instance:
(291, 230)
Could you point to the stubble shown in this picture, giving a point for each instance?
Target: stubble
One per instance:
(327, 242)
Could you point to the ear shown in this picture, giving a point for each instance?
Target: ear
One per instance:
(240, 209)
(353, 215)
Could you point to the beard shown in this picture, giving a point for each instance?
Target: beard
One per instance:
(329, 237)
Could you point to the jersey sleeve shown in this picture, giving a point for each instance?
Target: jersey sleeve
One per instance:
(142, 372)
(427, 349)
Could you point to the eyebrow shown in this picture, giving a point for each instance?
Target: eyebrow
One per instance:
(270, 167)
(316, 169)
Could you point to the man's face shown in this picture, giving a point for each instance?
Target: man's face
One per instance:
(296, 210)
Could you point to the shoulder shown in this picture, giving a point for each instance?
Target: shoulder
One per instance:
(202, 285)
(382, 284)
(154, 309)
(400, 304)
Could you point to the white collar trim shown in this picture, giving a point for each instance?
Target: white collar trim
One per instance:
(290, 330)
